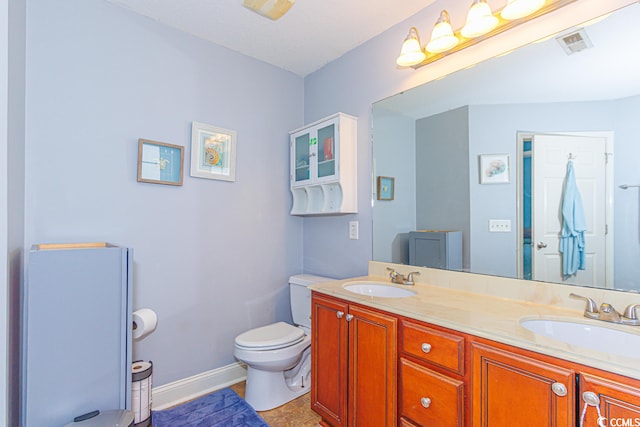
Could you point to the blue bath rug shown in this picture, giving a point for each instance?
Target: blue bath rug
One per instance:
(223, 408)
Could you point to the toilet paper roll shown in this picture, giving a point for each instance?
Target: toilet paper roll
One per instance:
(144, 322)
(141, 386)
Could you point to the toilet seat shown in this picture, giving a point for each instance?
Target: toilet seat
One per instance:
(270, 337)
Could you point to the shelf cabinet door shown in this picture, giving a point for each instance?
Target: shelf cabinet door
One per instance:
(327, 149)
(315, 154)
(619, 403)
(514, 390)
(301, 156)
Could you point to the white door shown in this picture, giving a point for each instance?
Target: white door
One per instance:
(550, 155)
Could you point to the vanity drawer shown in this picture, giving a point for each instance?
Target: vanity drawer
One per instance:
(433, 346)
(428, 398)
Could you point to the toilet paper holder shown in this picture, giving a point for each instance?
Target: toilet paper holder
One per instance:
(144, 322)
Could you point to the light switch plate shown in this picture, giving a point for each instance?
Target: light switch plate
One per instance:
(353, 230)
(499, 225)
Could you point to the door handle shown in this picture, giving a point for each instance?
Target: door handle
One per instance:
(541, 245)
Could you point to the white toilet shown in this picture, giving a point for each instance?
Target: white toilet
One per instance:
(278, 356)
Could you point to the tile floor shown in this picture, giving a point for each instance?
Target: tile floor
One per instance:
(296, 413)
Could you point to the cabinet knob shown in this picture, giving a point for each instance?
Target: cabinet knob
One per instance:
(349, 317)
(339, 314)
(425, 402)
(590, 398)
(559, 389)
(426, 347)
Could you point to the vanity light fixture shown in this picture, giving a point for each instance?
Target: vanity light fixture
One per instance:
(480, 20)
(516, 9)
(482, 24)
(411, 52)
(442, 37)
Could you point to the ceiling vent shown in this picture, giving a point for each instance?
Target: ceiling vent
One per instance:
(575, 41)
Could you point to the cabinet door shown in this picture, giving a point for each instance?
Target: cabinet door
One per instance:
(327, 148)
(372, 368)
(513, 390)
(619, 403)
(329, 360)
(301, 157)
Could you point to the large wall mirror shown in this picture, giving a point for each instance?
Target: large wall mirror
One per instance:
(486, 152)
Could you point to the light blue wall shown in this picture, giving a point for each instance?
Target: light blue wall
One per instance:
(395, 150)
(212, 258)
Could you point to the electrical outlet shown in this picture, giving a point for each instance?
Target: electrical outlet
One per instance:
(353, 230)
(499, 225)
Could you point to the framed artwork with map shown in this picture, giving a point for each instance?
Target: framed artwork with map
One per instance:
(159, 162)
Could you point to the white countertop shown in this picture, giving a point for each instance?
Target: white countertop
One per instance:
(488, 316)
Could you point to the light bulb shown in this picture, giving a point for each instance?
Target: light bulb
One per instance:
(411, 52)
(442, 38)
(480, 20)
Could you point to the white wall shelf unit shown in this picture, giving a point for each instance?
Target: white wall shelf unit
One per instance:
(324, 165)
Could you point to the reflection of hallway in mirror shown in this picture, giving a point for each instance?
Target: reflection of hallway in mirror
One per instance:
(542, 193)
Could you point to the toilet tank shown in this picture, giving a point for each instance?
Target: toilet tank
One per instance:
(300, 296)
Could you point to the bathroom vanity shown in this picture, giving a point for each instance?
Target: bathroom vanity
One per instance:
(455, 354)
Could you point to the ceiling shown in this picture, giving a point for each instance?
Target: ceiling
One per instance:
(312, 34)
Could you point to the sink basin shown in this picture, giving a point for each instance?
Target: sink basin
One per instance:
(378, 289)
(600, 338)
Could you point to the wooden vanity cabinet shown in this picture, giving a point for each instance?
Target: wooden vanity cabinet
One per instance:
(354, 364)
(372, 368)
(619, 400)
(432, 367)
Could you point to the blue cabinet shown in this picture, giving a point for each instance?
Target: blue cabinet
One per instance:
(436, 249)
(76, 332)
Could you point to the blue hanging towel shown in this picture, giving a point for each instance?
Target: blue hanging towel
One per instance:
(573, 226)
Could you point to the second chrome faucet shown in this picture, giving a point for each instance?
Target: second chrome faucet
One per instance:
(609, 314)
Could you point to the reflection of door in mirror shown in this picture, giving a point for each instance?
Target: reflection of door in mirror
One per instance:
(543, 186)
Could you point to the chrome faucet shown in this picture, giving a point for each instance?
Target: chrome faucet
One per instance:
(400, 279)
(609, 314)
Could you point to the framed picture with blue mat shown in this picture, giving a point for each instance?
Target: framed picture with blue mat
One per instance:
(223, 408)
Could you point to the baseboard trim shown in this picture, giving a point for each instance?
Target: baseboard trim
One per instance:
(168, 395)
